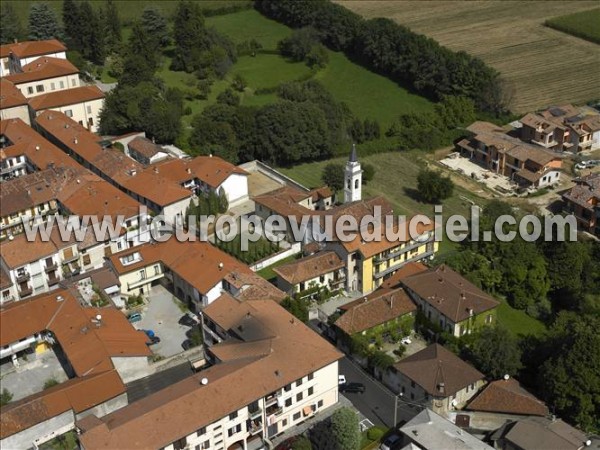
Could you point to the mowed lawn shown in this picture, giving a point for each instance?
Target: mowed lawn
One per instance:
(584, 24)
(544, 66)
(517, 321)
(395, 178)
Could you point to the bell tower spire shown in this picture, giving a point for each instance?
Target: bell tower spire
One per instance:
(352, 178)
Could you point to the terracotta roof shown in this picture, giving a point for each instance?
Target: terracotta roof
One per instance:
(78, 394)
(196, 262)
(375, 309)
(449, 293)
(289, 350)
(5, 281)
(507, 397)
(537, 433)
(285, 201)
(26, 141)
(66, 97)
(309, 267)
(252, 286)
(10, 96)
(403, 272)
(586, 193)
(42, 69)
(438, 371)
(32, 48)
(19, 251)
(144, 146)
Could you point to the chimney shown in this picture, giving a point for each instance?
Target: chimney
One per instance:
(156, 170)
(188, 170)
(221, 266)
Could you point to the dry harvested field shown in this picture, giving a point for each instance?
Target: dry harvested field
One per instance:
(544, 65)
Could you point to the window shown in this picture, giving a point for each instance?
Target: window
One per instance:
(320, 404)
(30, 90)
(299, 396)
(284, 423)
(311, 390)
(206, 444)
(296, 416)
(233, 415)
(287, 388)
(86, 260)
(53, 86)
(62, 84)
(142, 274)
(412, 396)
(322, 278)
(39, 88)
(69, 113)
(89, 109)
(412, 384)
(74, 82)
(201, 431)
(298, 381)
(489, 318)
(311, 376)
(234, 430)
(288, 402)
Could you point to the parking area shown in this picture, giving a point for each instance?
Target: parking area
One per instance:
(161, 315)
(32, 373)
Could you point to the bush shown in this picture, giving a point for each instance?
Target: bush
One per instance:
(187, 111)
(5, 397)
(399, 352)
(433, 186)
(375, 433)
(49, 383)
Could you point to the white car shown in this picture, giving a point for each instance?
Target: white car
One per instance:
(406, 340)
(581, 165)
(342, 379)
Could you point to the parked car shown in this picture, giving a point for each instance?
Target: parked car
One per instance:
(134, 317)
(406, 340)
(391, 442)
(192, 330)
(581, 165)
(149, 333)
(189, 319)
(153, 340)
(341, 379)
(187, 344)
(354, 388)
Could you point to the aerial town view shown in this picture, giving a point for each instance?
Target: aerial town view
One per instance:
(300, 224)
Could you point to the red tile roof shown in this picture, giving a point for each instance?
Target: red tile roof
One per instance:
(508, 397)
(66, 97)
(43, 68)
(10, 96)
(309, 267)
(32, 48)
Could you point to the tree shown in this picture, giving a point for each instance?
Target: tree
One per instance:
(301, 443)
(368, 173)
(570, 377)
(344, 430)
(239, 83)
(433, 187)
(381, 360)
(189, 35)
(92, 34)
(42, 22)
(112, 26)
(495, 352)
(357, 131)
(155, 25)
(298, 45)
(73, 24)
(142, 44)
(317, 58)
(228, 97)
(5, 397)
(456, 111)
(333, 176)
(10, 25)
(297, 307)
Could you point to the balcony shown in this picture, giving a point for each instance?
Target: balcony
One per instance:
(25, 292)
(417, 257)
(50, 267)
(404, 249)
(23, 276)
(53, 280)
(255, 413)
(274, 409)
(144, 281)
(254, 427)
(67, 259)
(271, 399)
(545, 144)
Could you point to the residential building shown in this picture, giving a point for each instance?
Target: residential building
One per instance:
(44, 75)
(539, 433)
(13, 104)
(429, 431)
(99, 351)
(377, 312)
(321, 270)
(144, 151)
(449, 301)
(82, 104)
(528, 165)
(196, 272)
(14, 56)
(436, 378)
(583, 201)
(275, 371)
(562, 128)
(352, 178)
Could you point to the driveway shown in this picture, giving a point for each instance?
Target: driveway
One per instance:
(161, 315)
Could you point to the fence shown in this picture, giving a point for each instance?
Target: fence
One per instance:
(269, 260)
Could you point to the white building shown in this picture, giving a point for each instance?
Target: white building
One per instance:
(13, 104)
(45, 75)
(270, 373)
(352, 178)
(14, 56)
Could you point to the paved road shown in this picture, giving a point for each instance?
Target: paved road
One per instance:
(141, 388)
(377, 403)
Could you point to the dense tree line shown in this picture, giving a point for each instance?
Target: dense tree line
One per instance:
(307, 123)
(395, 51)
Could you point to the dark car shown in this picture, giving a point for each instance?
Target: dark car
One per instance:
(392, 442)
(187, 344)
(153, 340)
(353, 388)
(187, 320)
(195, 329)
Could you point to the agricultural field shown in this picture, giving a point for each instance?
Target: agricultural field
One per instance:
(544, 66)
(584, 24)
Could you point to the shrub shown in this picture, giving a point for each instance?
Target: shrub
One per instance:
(50, 382)
(5, 397)
(375, 433)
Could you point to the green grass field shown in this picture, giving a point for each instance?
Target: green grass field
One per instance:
(583, 24)
(517, 321)
(266, 70)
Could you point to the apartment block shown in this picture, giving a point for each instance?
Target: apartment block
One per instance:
(583, 201)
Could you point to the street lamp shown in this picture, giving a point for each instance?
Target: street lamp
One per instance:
(401, 394)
